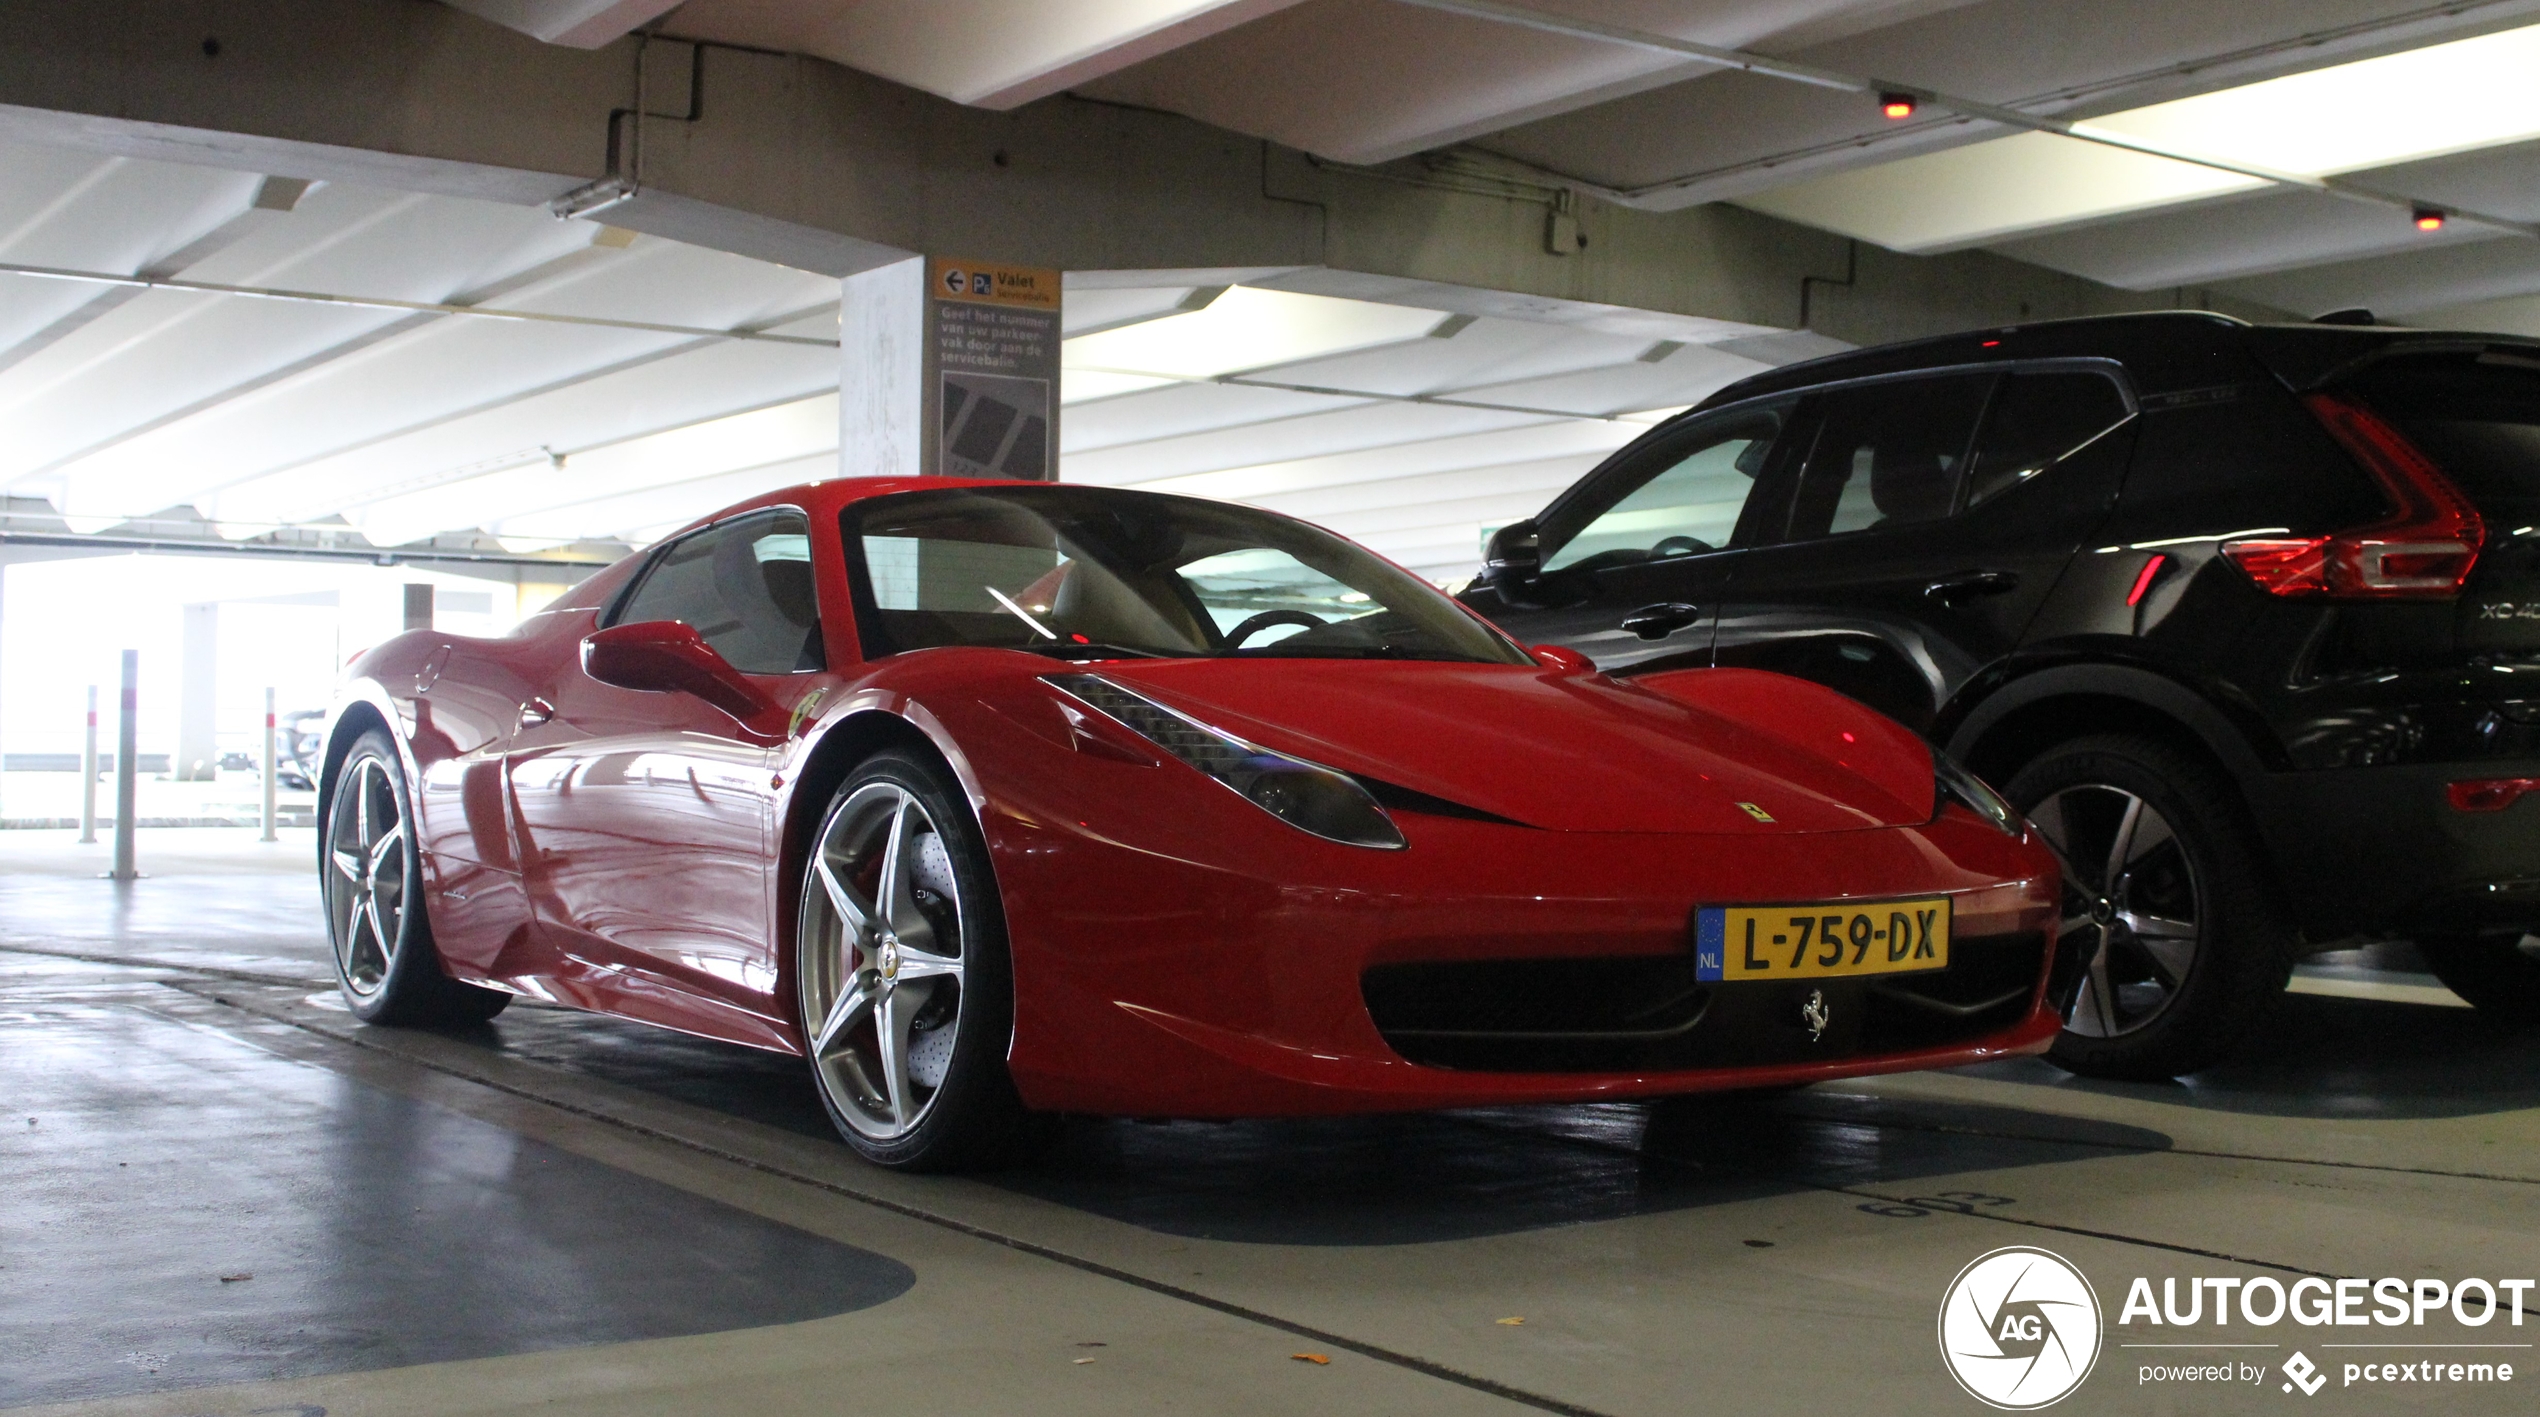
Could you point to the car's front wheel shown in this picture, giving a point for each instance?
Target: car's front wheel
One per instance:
(901, 972)
(2500, 974)
(2182, 951)
(372, 883)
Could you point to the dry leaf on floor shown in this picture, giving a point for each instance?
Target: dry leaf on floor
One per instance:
(1311, 1358)
(1512, 1323)
(234, 1278)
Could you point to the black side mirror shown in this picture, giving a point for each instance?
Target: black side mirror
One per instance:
(1513, 558)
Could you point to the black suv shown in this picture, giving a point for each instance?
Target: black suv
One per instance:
(2246, 618)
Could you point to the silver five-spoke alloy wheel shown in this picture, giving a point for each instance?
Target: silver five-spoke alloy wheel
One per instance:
(2131, 897)
(881, 968)
(366, 895)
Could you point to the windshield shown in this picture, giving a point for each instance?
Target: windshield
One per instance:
(1085, 572)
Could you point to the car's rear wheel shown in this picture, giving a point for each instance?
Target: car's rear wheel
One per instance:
(372, 883)
(2182, 952)
(2500, 974)
(901, 973)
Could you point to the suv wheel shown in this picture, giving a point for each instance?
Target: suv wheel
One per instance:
(2182, 950)
(2500, 974)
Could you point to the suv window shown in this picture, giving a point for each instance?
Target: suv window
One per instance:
(2037, 420)
(746, 586)
(2476, 415)
(1684, 496)
(1887, 454)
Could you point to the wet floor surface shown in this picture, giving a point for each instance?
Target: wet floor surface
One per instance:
(572, 1213)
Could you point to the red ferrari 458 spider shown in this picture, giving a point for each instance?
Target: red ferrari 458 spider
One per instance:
(1002, 801)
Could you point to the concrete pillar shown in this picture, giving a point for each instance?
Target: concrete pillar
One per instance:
(418, 605)
(948, 367)
(198, 695)
(882, 371)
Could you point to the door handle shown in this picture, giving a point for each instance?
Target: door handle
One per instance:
(1949, 588)
(535, 712)
(1657, 622)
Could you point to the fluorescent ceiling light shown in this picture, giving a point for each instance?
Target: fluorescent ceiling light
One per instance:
(2445, 98)
(1245, 329)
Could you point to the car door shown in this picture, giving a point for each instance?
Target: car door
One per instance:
(1637, 558)
(646, 819)
(1925, 524)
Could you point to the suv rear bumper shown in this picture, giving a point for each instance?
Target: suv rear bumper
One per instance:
(2381, 850)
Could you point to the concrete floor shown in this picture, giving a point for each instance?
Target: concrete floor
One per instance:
(222, 1196)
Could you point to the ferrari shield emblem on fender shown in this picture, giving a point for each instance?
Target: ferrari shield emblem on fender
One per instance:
(1815, 1014)
(1756, 812)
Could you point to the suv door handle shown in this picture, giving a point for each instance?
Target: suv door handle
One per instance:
(1657, 622)
(1949, 588)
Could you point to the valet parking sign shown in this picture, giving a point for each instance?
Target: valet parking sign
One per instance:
(2021, 1328)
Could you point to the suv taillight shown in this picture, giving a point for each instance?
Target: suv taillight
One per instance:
(2424, 550)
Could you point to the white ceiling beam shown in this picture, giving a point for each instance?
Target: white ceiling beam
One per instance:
(575, 24)
(986, 53)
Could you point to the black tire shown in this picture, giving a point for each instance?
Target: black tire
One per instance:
(970, 1117)
(2166, 1013)
(371, 881)
(2498, 974)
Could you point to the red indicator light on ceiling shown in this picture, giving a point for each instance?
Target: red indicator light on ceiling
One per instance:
(2143, 582)
(1080, 639)
(2430, 218)
(2492, 794)
(1897, 105)
(1989, 344)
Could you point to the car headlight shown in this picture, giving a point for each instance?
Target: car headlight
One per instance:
(1952, 783)
(1308, 796)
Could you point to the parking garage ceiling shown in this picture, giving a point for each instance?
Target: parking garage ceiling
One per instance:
(2274, 150)
(191, 351)
(395, 370)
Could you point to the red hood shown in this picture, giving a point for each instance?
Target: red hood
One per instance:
(1573, 752)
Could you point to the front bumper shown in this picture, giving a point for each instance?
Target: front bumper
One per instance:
(1156, 980)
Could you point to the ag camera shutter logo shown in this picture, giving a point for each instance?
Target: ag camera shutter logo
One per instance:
(2019, 1328)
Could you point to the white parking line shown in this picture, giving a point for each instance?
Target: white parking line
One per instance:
(2388, 992)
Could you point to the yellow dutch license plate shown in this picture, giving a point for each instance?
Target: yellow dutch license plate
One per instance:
(1821, 941)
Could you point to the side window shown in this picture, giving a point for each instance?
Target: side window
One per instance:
(1683, 498)
(746, 587)
(2036, 421)
(1887, 454)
